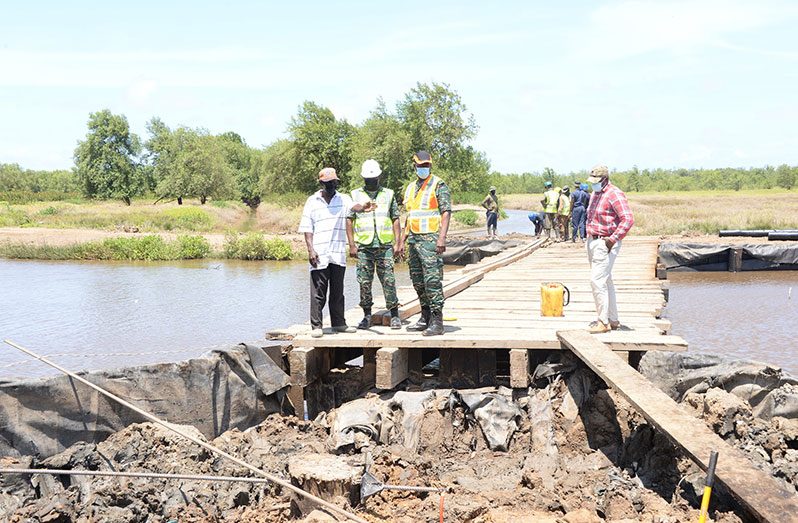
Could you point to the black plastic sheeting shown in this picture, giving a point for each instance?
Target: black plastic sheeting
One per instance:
(234, 386)
(462, 252)
(708, 257)
(755, 233)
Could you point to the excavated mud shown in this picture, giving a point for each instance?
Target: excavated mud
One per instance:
(575, 452)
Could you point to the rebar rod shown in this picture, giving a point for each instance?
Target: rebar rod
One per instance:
(207, 446)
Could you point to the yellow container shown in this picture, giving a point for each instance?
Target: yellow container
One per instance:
(553, 298)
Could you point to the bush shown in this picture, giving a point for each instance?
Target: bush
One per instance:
(466, 217)
(43, 196)
(11, 217)
(289, 199)
(254, 246)
(193, 247)
(49, 211)
(149, 248)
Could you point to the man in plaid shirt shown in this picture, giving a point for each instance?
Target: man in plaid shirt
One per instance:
(609, 218)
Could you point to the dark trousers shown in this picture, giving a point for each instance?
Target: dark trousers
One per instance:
(492, 219)
(578, 220)
(331, 277)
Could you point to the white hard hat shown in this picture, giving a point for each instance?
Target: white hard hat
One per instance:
(370, 169)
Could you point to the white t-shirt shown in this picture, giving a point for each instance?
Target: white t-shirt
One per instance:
(327, 222)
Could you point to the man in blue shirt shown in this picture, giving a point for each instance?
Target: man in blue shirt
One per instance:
(537, 220)
(579, 201)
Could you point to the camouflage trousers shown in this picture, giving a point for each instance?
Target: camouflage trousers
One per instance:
(381, 258)
(426, 271)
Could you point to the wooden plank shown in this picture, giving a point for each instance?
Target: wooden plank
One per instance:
(519, 368)
(392, 367)
(755, 489)
(307, 364)
(368, 377)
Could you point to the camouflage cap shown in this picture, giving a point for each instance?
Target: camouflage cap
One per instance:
(598, 173)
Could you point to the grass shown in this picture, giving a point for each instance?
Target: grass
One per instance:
(254, 246)
(149, 248)
(466, 217)
(692, 213)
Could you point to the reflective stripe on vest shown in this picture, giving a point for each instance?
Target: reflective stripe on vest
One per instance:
(365, 223)
(423, 215)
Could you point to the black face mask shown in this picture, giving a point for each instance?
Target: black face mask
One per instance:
(330, 187)
(372, 184)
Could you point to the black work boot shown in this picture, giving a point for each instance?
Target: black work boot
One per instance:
(422, 322)
(365, 323)
(396, 321)
(435, 327)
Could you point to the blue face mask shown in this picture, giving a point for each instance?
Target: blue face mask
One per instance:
(422, 172)
(597, 187)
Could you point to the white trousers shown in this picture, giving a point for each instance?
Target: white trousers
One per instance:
(601, 262)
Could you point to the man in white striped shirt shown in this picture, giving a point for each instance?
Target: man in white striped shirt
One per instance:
(324, 224)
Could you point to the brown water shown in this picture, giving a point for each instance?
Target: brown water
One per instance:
(95, 315)
(744, 315)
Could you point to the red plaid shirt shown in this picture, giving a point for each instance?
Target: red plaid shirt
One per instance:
(608, 214)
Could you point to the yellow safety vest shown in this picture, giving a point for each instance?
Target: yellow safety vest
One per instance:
(379, 220)
(551, 197)
(566, 205)
(423, 215)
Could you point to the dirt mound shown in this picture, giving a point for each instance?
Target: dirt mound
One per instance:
(577, 452)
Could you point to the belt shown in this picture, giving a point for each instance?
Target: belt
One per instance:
(591, 237)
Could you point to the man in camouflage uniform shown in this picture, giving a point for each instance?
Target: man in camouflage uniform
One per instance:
(429, 206)
(371, 233)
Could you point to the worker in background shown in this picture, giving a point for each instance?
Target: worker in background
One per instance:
(609, 219)
(324, 225)
(537, 220)
(429, 208)
(491, 205)
(579, 202)
(371, 234)
(549, 202)
(564, 212)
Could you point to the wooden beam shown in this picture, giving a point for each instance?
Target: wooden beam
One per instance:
(756, 490)
(307, 364)
(392, 367)
(519, 368)
(368, 377)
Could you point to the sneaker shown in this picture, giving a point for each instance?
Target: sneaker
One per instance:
(615, 325)
(316, 333)
(365, 323)
(344, 328)
(598, 327)
(396, 322)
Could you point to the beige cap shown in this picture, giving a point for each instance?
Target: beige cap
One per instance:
(598, 173)
(327, 174)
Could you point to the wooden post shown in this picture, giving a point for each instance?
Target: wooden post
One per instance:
(415, 364)
(369, 374)
(735, 259)
(486, 360)
(392, 367)
(519, 368)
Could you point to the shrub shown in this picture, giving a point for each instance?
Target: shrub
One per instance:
(187, 218)
(466, 217)
(49, 211)
(11, 217)
(149, 247)
(43, 196)
(254, 246)
(192, 247)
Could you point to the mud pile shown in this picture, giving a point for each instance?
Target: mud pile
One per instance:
(575, 452)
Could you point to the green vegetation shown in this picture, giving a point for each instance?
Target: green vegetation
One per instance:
(254, 246)
(148, 248)
(465, 217)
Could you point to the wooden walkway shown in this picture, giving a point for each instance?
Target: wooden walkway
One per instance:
(500, 308)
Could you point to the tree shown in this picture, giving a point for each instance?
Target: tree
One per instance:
(785, 176)
(156, 158)
(320, 140)
(239, 158)
(106, 161)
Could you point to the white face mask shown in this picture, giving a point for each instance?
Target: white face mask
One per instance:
(597, 187)
(422, 172)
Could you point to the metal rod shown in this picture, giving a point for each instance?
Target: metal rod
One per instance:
(412, 488)
(206, 446)
(140, 475)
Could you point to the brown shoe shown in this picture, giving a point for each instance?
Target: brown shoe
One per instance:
(598, 327)
(615, 325)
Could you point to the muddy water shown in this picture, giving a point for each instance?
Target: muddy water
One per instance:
(751, 315)
(102, 315)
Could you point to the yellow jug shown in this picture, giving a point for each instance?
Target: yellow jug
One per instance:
(553, 298)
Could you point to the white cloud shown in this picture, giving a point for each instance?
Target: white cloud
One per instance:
(625, 29)
(139, 92)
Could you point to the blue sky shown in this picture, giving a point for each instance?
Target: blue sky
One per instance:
(558, 84)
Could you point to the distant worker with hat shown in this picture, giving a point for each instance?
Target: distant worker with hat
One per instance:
(564, 212)
(324, 225)
(537, 220)
(549, 202)
(371, 234)
(609, 219)
(579, 202)
(491, 205)
(428, 203)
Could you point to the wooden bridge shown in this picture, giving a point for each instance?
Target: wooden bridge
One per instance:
(495, 335)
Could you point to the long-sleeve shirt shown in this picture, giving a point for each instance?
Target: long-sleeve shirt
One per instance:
(609, 214)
